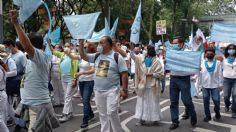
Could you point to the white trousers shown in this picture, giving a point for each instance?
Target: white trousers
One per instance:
(68, 92)
(3, 111)
(58, 92)
(107, 105)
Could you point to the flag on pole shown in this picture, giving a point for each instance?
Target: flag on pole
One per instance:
(199, 42)
(27, 8)
(135, 29)
(113, 30)
(81, 26)
(106, 31)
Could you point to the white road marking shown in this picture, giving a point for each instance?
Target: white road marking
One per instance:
(197, 129)
(93, 106)
(98, 123)
(202, 104)
(225, 114)
(127, 100)
(76, 115)
(126, 129)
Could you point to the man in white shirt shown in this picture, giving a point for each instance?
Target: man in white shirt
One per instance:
(212, 82)
(108, 72)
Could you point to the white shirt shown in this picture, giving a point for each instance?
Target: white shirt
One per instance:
(85, 66)
(211, 80)
(229, 69)
(2, 79)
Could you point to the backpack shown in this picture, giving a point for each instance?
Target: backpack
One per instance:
(116, 57)
(13, 84)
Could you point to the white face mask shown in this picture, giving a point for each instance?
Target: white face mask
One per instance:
(99, 49)
(144, 52)
(66, 49)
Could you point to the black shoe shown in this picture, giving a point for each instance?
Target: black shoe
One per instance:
(173, 126)
(193, 121)
(84, 126)
(206, 119)
(226, 108)
(217, 116)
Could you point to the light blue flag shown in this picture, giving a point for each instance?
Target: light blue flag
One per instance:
(223, 33)
(98, 35)
(106, 31)
(113, 30)
(55, 36)
(74, 41)
(158, 44)
(27, 8)
(47, 49)
(81, 26)
(183, 61)
(168, 44)
(135, 29)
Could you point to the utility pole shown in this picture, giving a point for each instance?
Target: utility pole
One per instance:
(1, 22)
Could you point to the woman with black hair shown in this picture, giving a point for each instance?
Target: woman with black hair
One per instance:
(148, 72)
(229, 73)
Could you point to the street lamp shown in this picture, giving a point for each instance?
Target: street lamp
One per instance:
(1, 22)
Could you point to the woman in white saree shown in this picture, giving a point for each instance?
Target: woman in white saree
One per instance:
(148, 73)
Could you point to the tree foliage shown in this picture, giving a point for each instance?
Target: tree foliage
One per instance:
(177, 13)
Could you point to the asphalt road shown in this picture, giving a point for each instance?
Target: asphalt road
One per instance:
(226, 124)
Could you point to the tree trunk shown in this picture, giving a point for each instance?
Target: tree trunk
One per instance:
(174, 18)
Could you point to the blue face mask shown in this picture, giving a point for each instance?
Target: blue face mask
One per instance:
(176, 47)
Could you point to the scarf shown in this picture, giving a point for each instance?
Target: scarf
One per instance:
(148, 61)
(212, 68)
(230, 60)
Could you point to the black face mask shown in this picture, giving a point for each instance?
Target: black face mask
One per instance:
(210, 56)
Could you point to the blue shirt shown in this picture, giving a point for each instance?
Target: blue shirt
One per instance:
(65, 65)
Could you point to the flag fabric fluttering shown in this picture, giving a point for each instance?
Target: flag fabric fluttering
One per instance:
(47, 49)
(168, 44)
(27, 8)
(199, 42)
(135, 29)
(55, 36)
(98, 35)
(223, 33)
(107, 30)
(104, 32)
(175, 61)
(113, 30)
(81, 26)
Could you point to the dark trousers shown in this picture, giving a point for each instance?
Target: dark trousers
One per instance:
(86, 90)
(230, 89)
(179, 84)
(214, 93)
